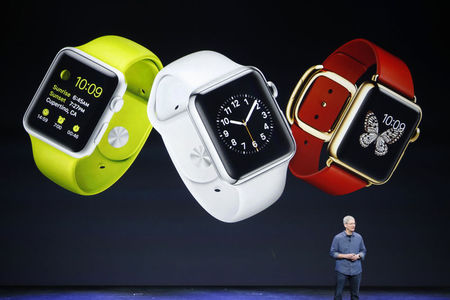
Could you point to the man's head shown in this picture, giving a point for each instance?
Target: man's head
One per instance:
(349, 223)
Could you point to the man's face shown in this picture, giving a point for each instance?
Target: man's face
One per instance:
(350, 225)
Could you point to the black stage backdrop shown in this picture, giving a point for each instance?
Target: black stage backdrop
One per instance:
(148, 230)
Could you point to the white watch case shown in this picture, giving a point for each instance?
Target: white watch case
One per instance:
(205, 138)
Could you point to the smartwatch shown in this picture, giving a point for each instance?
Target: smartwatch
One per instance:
(224, 131)
(87, 121)
(367, 124)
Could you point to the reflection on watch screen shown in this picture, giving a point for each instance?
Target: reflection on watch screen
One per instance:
(71, 100)
(244, 124)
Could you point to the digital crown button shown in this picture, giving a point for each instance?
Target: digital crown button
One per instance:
(116, 104)
(200, 157)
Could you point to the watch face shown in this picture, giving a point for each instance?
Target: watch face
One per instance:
(71, 100)
(244, 124)
(378, 135)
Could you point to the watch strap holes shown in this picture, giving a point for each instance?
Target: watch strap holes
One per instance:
(101, 166)
(142, 92)
(217, 190)
(176, 107)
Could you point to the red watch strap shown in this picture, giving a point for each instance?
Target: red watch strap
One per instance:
(391, 70)
(305, 163)
(324, 102)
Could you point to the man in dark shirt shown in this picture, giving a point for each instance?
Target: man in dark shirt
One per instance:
(348, 249)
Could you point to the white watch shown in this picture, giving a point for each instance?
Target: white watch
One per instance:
(224, 132)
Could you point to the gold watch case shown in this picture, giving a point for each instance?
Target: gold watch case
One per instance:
(349, 111)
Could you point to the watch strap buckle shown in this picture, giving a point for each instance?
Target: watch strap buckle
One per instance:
(300, 92)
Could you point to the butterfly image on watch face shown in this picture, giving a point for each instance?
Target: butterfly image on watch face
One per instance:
(371, 135)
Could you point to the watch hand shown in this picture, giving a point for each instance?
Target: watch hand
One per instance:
(245, 124)
(236, 122)
(251, 111)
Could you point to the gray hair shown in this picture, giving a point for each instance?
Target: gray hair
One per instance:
(347, 219)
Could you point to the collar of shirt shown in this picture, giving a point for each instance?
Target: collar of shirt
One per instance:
(346, 235)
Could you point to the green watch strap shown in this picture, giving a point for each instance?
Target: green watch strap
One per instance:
(95, 173)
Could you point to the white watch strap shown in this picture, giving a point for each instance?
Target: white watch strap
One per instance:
(168, 113)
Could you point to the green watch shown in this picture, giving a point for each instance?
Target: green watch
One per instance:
(88, 119)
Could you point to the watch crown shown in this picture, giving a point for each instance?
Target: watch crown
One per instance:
(273, 88)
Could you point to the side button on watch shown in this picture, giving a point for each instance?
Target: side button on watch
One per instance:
(87, 93)
(366, 128)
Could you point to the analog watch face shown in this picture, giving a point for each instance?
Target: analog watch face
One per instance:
(245, 125)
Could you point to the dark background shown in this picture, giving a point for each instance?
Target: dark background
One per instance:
(148, 230)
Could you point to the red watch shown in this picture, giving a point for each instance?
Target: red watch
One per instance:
(366, 128)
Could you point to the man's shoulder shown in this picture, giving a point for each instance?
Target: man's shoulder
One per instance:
(340, 235)
(357, 235)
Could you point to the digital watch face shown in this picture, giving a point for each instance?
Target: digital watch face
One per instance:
(71, 100)
(244, 124)
(378, 134)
